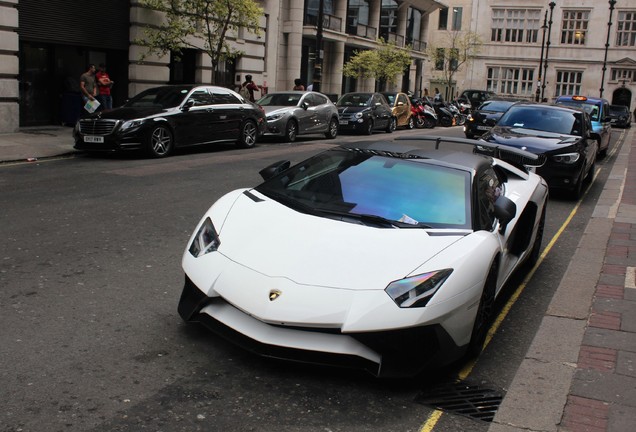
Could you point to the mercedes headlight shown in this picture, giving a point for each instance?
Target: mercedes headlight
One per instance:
(129, 124)
(416, 291)
(206, 240)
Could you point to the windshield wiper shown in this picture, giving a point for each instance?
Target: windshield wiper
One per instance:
(372, 219)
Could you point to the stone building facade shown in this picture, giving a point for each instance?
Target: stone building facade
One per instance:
(45, 46)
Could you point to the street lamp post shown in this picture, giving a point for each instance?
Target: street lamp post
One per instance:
(547, 49)
(540, 81)
(609, 26)
(318, 61)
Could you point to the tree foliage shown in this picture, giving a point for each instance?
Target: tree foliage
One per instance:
(200, 24)
(457, 49)
(385, 63)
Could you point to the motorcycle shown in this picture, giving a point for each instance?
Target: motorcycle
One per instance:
(444, 115)
(459, 118)
(425, 116)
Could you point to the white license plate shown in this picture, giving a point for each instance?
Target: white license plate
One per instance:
(93, 139)
(483, 127)
(344, 122)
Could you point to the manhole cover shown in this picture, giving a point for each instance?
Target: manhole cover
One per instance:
(462, 398)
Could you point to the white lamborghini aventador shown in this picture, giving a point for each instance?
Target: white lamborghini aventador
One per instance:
(384, 256)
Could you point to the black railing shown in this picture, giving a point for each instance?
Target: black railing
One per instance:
(329, 22)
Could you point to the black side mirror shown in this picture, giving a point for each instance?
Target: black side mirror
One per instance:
(505, 211)
(304, 105)
(274, 169)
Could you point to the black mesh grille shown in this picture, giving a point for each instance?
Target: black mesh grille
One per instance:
(465, 399)
(97, 127)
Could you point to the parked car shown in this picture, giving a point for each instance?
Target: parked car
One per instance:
(477, 97)
(302, 266)
(294, 113)
(563, 137)
(401, 106)
(620, 116)
(160, 119)
(599, 112)
(480, 120)
(365, 112)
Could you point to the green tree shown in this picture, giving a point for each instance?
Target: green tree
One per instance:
(385, 63)
(199, 24)
(457, 49)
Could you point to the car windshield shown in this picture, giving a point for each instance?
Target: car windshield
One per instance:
(546, 119)
(159, 97)
(618, 109)
(364, 186)
(495, 106)
(355, 99)
(280, 99)
(390, 97)
(591, 108)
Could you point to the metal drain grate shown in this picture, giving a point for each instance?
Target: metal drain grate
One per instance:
(464, 399)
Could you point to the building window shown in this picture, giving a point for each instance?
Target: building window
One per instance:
(443, 19)
(453, 61)
(508, 80)
(568, 83)
(574, 27)
(515, 25)
(457, 18)
(626, 29)
(439, 59)
(620, 75)
(388, 19)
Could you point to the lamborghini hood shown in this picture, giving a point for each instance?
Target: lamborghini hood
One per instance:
(277, 241)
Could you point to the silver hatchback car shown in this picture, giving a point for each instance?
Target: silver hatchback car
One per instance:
(294, 113)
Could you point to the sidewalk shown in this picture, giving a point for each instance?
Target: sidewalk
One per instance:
(579, 374)
(36, 143)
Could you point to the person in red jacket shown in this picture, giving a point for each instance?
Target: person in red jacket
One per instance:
(250, 86)
(104, 84)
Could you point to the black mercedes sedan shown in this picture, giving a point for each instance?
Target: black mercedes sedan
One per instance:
(563, 138)
(160, 119)
(480, 120)
(365, 112)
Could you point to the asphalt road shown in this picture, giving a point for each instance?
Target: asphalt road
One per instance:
(90, 278)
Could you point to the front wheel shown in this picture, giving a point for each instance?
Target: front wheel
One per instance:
(332, 132)
(419, 122)
(411, 123)
(484, 313)
(446, 121)
(160, 142)
(429, 122)
(392, 125)
(248, 136)
(369, 129)
(291, 131)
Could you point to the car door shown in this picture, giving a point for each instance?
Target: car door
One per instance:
(324, 111)
(382, 112)
(192, 124)
(227, 115)
(306, 114)
(591, 145)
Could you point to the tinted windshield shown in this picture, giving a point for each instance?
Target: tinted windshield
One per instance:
(545, 119)
(591, 108)
(414, 192)
(495, 106)
(159, 97)
(355, 99)
(280, 99)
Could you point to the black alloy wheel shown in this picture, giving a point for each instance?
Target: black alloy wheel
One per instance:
(411, 123)
(160, 141)
(484, 313)
(249, 134)
(369, 129)
(392, 125)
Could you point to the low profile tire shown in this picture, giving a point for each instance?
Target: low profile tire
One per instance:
(577, 192)
(484, 313)
(392, 125)
(160, 141)
(248, 136)
(332, 132)
(536, 246)
(291, 131)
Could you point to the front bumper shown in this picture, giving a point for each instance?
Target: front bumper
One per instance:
(108, 139)
(392, 353)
